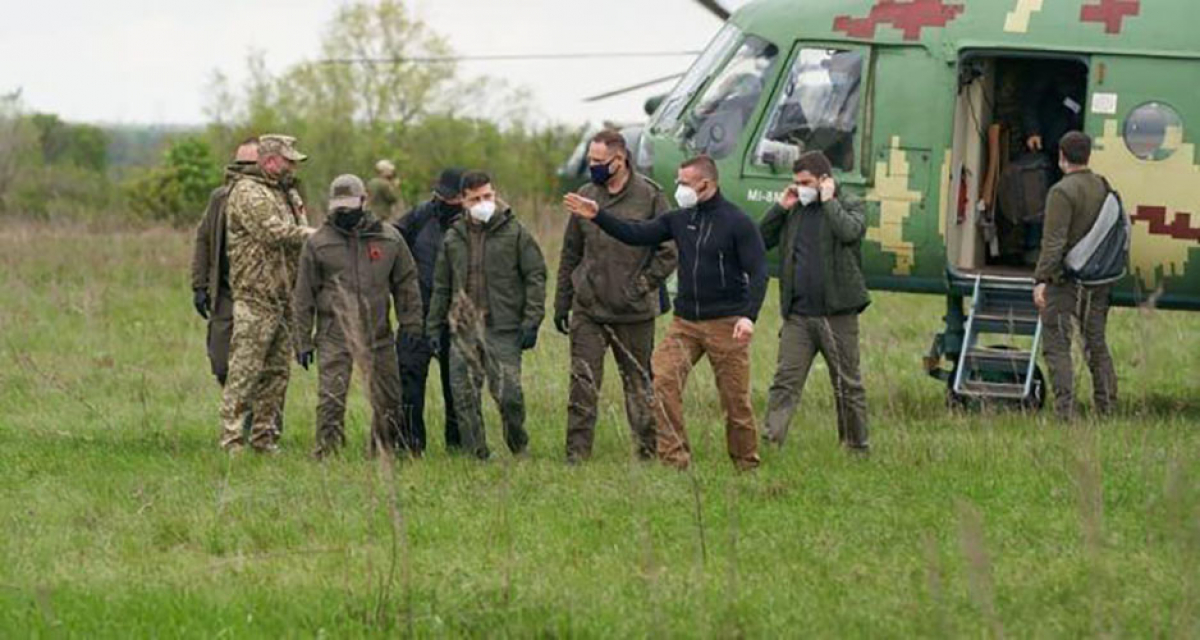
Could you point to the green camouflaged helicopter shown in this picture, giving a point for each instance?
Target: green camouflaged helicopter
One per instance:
(922, 105)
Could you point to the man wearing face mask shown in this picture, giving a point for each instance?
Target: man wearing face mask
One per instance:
(489, 291)
(608, 297)
(819, 230)
(265, 230)
(722, 282)
(353, 271)
(424, 229)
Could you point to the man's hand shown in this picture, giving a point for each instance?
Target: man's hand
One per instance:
(828, 189)
(1039, 296)
(305, 358)
(789, 197)
(562, 322)
(435, 344)
(201, 302)
(1034, 143)
(581, 206)
(528, 339)
(743, 331)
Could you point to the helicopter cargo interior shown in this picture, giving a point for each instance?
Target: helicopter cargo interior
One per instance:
(1010, 112)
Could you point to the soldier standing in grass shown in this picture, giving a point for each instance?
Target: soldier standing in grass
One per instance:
(608, 298)
(1072, 208)
(384, 190)
(822, 291)
(722, 282)
(266, 228)
(210, 263)
(353, 271)
(424, 229)
(489, 288)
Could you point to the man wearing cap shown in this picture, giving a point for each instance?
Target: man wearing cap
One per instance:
(353, 271)
(210, 263)
(608, 298)
(424, 229)
(265, 230)
(384, 190)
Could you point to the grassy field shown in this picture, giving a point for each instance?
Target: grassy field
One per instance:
(121, 518)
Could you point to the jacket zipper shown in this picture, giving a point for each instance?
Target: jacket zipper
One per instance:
(721, 264)
(696, 265)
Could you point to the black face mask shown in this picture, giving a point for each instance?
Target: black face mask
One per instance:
(447, 210)
(601, 173)
(347, 219)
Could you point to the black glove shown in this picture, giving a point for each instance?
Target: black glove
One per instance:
(562, 322)
(435, 344)
(305, 358)
(528, 339)
(201, 302)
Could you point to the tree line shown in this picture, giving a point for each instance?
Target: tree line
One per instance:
(383, 86)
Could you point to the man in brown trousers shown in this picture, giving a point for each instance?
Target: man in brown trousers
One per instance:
(822, 291)
(1072, 207)
(608, 297)
(353, 270)
(722, 282)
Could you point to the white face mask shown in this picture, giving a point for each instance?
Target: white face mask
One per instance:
(484, 210)
(686, 197)
(808, 195)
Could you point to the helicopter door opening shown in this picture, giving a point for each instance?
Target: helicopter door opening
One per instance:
(1010, 112)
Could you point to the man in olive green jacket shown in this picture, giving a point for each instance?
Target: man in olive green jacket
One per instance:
(1072, 207)
(489, 286)
(819, 230)
(608, 297)
(353, 271)
(210, 263)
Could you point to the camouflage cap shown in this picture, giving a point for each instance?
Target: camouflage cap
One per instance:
(347, 192)
(279, 145)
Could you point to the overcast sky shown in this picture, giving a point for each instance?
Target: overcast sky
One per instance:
(143, 61)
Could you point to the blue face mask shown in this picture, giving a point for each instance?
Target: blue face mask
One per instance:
(601, 173)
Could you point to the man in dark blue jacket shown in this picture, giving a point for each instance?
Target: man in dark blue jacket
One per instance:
(722, 282)
(423, 229)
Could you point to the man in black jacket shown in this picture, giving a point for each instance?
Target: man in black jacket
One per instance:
(722, 282)
(423, 229)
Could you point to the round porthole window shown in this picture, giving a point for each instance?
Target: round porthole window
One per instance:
(1154, 131)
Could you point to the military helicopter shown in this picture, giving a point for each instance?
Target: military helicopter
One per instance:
(924, 108)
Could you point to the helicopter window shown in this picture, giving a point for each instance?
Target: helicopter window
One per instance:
(672, 106)
(817, 109)
(717, 120)
(1154, 131)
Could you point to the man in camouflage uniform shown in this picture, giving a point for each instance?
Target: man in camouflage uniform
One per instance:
(353, 270)
(266, 228)
(210, 263)
(384, 191)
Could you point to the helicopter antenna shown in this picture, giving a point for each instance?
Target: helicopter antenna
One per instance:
(715, 8)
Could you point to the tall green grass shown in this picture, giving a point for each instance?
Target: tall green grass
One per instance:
(121, 518)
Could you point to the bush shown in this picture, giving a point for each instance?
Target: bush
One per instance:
(176, 191)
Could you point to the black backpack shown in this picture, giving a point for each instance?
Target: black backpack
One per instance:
(1023, 188)
(1102, 256)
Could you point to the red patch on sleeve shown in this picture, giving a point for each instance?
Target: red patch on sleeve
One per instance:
(1111, 13)
(374, 252)
(909, 17)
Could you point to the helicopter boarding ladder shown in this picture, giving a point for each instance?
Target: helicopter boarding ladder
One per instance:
(1001, 307)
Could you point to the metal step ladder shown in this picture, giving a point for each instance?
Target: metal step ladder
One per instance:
(1004, 307)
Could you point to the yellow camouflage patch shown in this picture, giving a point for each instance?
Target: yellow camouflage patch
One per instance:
(1018, 19)
(1172, 184)
(895, 200)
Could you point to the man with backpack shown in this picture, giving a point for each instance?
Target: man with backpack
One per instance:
(1076, 210)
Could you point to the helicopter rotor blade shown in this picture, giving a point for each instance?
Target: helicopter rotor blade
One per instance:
(715, 8)
(631, 89)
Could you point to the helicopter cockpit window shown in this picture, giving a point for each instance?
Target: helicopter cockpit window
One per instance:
(817, 109)
(720, 115)
(667, 115)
